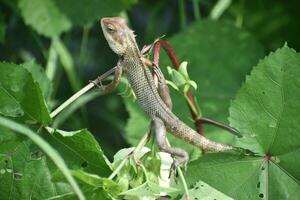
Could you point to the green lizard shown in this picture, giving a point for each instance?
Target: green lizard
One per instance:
(154, 101)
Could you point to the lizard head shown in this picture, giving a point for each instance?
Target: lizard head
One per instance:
(116, 32)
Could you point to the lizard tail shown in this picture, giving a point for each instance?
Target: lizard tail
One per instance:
(183, 131)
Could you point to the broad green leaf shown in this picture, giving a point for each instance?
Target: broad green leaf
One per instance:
(39, 75)
(44, 17)
(80, 150)
(290, 162)
(25, 177)
(82, 13)
(234, 175)
(266, 109)
(265, 112)
(21, 95)
(281, 185)
(219, 55)
(204, 191)
(24, 171)
(9, 140)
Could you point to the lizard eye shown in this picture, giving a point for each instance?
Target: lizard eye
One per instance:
(110, 28)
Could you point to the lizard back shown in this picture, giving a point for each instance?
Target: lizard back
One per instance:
(122, 41)
(142, 83)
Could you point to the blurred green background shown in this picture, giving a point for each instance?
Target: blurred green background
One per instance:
(222, 40)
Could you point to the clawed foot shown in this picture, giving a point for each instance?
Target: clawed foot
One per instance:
(98, 84)
(177, 163)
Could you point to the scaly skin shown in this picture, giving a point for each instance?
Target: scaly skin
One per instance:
(122, 41)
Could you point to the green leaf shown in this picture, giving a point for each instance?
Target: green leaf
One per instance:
(202, 190)
(44, 17)
(148, 189)
(183, 69)
(94, 180)
(25, 177)
(80, 150)
(219, 55)
(39, 75)
(27, 168)
(177, 78)
(234, 175)
(290, 162)
(266, 109)
(21, 95)
(91, 179)
(82, 13)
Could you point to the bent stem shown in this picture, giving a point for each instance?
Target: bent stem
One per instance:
(81, 92)
(141, 144)
(185, 187)
(116, 171)
(194, 107)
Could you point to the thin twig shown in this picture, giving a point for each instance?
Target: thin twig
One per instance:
(81, 92)
(220, 125)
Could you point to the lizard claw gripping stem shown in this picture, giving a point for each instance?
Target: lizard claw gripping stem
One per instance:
(98, 84)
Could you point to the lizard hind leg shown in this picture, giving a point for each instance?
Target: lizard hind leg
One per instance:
(161, 139)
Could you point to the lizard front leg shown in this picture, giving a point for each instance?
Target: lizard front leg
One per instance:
(114, 84)
(161, 139)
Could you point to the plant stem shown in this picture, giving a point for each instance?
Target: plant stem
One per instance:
(81, 92)
(240, 16)
(116, 171)
(67, 63)
(219, 8)
(186, 190)
(196, 9)
(141, 143)
(194, 107)
(52, 62)
(84, 42)
(182, 14)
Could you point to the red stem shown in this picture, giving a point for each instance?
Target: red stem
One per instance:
(175, 62)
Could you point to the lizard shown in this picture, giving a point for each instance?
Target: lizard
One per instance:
(155, 104)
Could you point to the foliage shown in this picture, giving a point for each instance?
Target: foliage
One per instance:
(50, 48)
